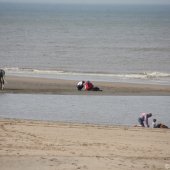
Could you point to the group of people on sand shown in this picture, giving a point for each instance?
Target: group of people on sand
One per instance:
(87, 85)
(2, 80)
(143, 121)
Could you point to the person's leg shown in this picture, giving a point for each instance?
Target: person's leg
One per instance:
(140, 122)
(1, 83)
(79, 88)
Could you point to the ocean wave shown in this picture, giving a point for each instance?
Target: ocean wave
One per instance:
(142, 75)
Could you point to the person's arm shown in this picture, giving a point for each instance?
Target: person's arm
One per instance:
(146, 121)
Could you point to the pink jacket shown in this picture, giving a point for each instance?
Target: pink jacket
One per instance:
(144, 117)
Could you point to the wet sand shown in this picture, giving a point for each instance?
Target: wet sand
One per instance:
(56, 86)
(39, 145)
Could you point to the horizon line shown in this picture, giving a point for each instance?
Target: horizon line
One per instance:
(83, 3)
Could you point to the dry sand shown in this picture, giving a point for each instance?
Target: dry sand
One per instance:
(36, 145)
(56, 86)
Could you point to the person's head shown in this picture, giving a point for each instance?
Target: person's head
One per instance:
(83, 81)
(154, 120)
(149, 114)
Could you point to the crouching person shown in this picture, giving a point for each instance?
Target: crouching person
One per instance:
(143, 119)
(88, 86)
(80, 85)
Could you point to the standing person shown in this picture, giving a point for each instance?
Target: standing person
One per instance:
(143, 119)
(2, 81)
(80, 85)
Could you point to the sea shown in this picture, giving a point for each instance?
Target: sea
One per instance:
(99, 110)
(96, 42)
(112, 43)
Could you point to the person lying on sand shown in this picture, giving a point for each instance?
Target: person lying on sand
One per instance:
(159, 125)
(90, 87)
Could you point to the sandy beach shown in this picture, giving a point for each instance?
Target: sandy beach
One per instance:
(47, 47)
(64, 146)
(57, 86)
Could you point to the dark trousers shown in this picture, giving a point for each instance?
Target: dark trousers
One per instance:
(140, 120)
(79, 88)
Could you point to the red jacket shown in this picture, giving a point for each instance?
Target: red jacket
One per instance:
(88, 85)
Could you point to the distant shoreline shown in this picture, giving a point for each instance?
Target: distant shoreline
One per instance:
(17, 84)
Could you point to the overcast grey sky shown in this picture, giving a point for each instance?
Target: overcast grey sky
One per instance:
(94, 1)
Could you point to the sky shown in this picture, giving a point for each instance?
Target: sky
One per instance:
(93, 1)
